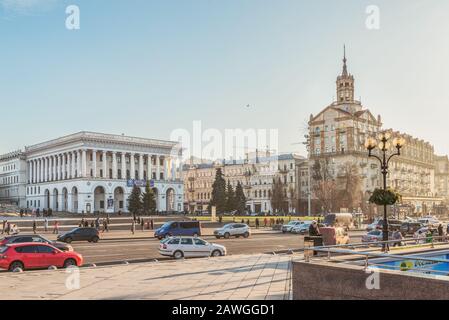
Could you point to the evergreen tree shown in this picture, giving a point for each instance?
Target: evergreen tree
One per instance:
(230, 198)
(135, 201)
(240, 199)
(148, 200)
(219, 192)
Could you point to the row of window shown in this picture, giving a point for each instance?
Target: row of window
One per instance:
(9, 167)
(9, 180)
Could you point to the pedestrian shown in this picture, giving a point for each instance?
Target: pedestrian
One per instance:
(105, 226)
(133, 226)
(152, 224)
(38, 212)
(21, 213)
(107, 218)
(314, 231)
(397, 235)
(56, 228)
(34, 226)
(247, 222)
(8, 228)
(86, 224)
(4, 226)
(243, 221)
(97, 223)
(142, 224)
(92, 225)
(265, 222)
(440, 232)
(257, 223)
(45, 224)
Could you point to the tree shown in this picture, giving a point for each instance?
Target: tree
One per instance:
(148, 200)
(230, 198)
(218, 198)
(350, 183)
(324, 187)
(240, 199)
(278, 196)
(135, 201)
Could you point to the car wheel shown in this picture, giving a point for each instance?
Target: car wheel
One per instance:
(70, 263)
(217, 237)
(68, 240)
(227, 235)
(95, 239)
(216, 253)
(246, 235)
(15, 265)
(178, 255)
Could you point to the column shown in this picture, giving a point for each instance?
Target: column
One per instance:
(165, 168)
(84, 164)
(158, 168)
(30, 171)
(123, 166)
(114, 165)
(34, 171)
(63, 167)
(44, 177)
(73, 164)
(78, 164)
(140, 166)
(105, 165)
(94, 163)
(57, 167)
(133, 166)
(69, 166)
(173, 169)
(150, 169)
(38, 168)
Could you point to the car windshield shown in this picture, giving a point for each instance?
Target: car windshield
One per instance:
(292, 223)
(166, 225)
(229, 225)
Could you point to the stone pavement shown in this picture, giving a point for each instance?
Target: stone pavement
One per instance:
(241, 277)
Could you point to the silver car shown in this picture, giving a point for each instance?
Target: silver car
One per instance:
(289, 226)
(233, 230)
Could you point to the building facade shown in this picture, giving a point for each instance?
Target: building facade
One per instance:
(256, 176)
(336, 138)
(13, 179)
(442, 177)
(90, 172)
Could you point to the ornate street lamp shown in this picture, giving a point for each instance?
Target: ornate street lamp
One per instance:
(383, 144)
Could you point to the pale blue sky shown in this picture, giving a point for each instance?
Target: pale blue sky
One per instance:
(146, 67)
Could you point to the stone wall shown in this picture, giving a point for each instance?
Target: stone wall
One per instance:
(328, 281)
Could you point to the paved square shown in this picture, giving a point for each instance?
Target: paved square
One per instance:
(241, 277)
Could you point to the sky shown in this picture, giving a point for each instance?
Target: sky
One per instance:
(146, 67)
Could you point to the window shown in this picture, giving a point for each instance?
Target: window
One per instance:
(45, 249)
(199, 242)
(174, 241)
(186, 241)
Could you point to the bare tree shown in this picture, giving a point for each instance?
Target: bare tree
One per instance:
(324, 186)
(350, 185)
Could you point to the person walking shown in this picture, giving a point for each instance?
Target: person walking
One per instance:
(142, 224)
(56, 228)
(86, 224)
(45, 224)
(8, 228)
(92, 224)
(265, 222)
(133, 226)
(105, 226)
(152, 224)
(107, 218)
(440, 232)
(4, 226)
(257, 223)
(97, 223)
(34, 226)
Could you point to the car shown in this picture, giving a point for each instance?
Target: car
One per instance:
(178, 228)
(422, 232)
(186, 247)
(377, 236)
(302, 228)
(409, 228)
(233, 230)
(36, 256)
(80, 234)
(378, 224)
(429, 221)
(288, 227)
(35, 238)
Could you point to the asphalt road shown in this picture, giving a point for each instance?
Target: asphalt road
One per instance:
(135, 249)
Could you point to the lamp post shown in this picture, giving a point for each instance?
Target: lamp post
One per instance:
(383, 144)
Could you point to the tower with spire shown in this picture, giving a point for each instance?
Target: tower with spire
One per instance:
(345, 84)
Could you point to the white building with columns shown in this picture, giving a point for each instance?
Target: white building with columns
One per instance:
(95, 172)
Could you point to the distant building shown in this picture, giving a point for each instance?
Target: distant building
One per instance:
(13, 179)
(442, 177)
(256, 176)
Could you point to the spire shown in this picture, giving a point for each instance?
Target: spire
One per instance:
(345, 67)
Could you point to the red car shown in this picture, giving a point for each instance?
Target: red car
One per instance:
(36, 256)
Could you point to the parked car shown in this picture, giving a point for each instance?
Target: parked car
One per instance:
(178, 228)
(80, 234)
(233, 230)
(36, 256)
(409, 228)
(35, 239)
(288, 227)
(302, 229)
(377, 236)
(185, 247)
(429, 221)
(378, 225)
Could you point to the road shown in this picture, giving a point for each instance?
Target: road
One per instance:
(136, 249)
